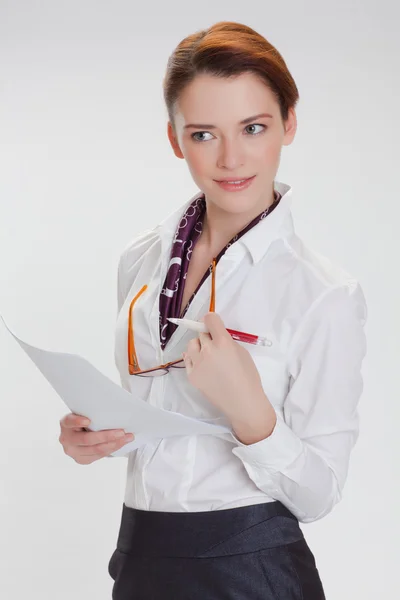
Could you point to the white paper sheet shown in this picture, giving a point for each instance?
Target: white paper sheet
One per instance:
(86, 391)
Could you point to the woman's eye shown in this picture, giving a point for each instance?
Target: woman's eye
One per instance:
(257, 125)
(202, 133)
(198, 133)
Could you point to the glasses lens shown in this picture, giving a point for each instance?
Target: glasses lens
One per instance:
(180, 365)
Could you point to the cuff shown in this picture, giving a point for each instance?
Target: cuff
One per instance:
(275, 452)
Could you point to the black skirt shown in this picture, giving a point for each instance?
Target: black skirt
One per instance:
(255, 552)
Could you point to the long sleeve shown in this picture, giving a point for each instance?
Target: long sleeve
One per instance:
(304, 462)
(130, 261)
(129, 264)
(120, 285)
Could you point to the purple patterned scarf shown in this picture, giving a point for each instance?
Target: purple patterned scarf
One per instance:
(189, 230)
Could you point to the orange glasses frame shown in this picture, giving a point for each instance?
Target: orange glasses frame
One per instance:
(134, 368)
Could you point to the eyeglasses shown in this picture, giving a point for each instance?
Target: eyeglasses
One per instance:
(134, 368)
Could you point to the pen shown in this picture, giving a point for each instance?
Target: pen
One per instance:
(200, 327)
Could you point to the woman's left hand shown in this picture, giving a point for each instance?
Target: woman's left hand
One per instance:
(225, 373)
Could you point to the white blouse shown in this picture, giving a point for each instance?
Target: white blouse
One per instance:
(269, 283)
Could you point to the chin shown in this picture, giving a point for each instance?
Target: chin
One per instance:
(237, 205)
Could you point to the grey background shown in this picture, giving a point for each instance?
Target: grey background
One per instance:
(86, 165)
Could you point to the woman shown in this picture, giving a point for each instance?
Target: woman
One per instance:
(217, 516)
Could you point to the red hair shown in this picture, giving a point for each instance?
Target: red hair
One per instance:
(228, 49)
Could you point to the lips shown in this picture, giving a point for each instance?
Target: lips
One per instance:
(235, 187)
(230, 180)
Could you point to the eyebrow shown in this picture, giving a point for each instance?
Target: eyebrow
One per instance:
(244, 122)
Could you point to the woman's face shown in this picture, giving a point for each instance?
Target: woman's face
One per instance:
(220, 147)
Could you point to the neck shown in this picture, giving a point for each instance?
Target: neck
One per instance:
(220, 226)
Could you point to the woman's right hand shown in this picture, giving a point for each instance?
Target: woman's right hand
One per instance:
(86, 447)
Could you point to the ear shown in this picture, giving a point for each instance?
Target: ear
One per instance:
(290, 126)
(173, 141)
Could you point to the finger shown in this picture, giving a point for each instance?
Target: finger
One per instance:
(106, 448)
(216, 327)
(72, 420)
(86, 456)
(205, 339)
(92, 438)
(193, 347)
(188, 362)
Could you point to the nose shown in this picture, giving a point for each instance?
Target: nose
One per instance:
(231, 155)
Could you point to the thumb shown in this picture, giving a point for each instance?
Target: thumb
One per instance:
(215, 326)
